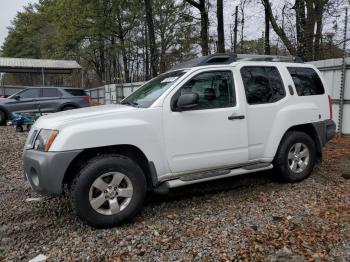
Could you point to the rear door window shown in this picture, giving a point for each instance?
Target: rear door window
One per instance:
(262, 84)
(76, 92)
(306, 81)
(50, 92)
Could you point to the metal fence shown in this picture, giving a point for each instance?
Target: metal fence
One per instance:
(336, 73)
(112, 94)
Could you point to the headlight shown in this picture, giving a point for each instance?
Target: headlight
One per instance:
(45, 139)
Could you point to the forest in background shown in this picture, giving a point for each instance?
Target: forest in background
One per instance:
(133, 40)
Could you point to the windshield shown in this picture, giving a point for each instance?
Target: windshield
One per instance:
(147, 94)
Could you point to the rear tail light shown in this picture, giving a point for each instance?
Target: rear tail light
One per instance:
(87, 99)
(330, 107)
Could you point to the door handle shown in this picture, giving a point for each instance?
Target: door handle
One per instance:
(234, 117)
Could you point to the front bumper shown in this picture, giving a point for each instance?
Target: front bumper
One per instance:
(45, 170)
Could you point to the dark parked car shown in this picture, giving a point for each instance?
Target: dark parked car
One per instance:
(44, 100)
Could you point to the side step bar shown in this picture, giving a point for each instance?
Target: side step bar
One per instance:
(207, 176)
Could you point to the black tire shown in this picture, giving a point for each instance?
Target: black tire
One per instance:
(66, 108)
(282, 163)
(19, 129)
(94, 169)
(2, 118)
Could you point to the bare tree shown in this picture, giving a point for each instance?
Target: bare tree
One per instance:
(201, 6)
(308, 22)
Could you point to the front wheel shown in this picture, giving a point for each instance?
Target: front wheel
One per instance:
(296, 156)
(108, 191)
(2, 118)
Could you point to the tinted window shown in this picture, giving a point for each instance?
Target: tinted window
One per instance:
(76, 92)
(262, 84)
(306, 81)
(215, 89)
(30, 93)
(50, 92)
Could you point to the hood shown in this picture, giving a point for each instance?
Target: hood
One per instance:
(56, 120)
(5, 100)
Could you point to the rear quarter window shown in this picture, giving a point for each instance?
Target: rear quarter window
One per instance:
(76, 92)
(50, 92)
(306, 81)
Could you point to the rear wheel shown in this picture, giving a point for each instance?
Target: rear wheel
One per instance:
(108, 191)
(66, 108)
(295, 157)
(2, 118)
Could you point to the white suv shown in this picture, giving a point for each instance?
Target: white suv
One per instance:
(206, 119)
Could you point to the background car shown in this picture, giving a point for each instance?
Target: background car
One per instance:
(44, 100)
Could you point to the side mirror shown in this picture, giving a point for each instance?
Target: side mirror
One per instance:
(187, 101)
(17, 97)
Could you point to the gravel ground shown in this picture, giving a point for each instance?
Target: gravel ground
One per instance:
(250, 218)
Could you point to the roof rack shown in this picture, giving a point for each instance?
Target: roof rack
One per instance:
(215, 59)
(269, 58)
(226, 59)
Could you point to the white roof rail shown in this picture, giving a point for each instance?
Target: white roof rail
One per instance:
(269, 58)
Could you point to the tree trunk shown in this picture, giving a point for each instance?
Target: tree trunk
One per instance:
(102, 59)
(152, 38)
(221, 32)
(318, 36)
(309, 31)
(204, 29)
(146, 60)
(114, 62)
(235, 31)
(267, 33)
(300, 26)
(279, 31)
(242, 31)
(318, 39)
(162, 59)
(201, 6)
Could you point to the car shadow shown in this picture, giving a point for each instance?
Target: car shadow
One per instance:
(213, 187)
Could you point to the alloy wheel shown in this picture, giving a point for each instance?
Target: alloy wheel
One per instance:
(110, 193)
(298, 157)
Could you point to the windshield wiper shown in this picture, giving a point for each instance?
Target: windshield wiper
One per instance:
(131, 103)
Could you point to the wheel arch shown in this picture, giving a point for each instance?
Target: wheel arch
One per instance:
(310, 130)
(126, 150)
(61, 107)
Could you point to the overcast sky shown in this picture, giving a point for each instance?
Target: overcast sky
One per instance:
(8, 11)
